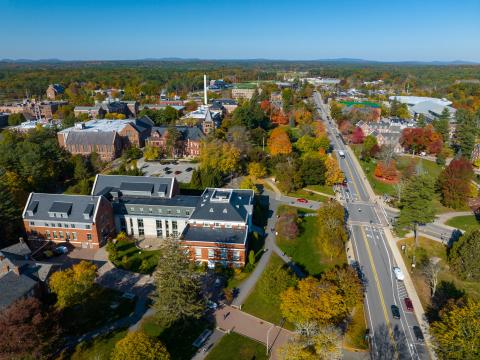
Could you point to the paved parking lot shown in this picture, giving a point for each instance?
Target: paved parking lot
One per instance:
(182, 170)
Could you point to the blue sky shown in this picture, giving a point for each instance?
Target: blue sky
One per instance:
(313, 29)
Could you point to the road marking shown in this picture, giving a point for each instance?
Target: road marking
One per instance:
(379, 290)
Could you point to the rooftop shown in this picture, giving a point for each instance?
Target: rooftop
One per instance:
(413, 100)
(133, 186)
(13, 287)
(221, 235)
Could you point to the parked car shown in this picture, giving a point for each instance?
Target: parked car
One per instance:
(418, 334)
(188, 169)
(398, 274)
(59, 250)
(395, 312)
(408, 304)
(178, 172)
(302, 200)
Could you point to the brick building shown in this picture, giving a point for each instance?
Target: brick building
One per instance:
(188, 145)
(54, 90)
(81, 220)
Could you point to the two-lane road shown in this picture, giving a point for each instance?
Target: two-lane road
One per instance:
(391, 338)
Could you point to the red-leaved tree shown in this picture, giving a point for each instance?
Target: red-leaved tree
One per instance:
(455, 182)
(358, 136)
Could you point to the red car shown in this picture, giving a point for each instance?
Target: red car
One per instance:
(408, 304)
(302, 200)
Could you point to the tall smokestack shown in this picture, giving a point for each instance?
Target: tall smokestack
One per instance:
(205, 89)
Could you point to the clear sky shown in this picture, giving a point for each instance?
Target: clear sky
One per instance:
(387, 30)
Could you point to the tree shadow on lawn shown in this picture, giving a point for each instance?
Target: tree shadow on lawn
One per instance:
(446, 292)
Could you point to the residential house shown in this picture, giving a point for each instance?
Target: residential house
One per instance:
(54, 90)
(129, 109)
(20, 276)
(81, 220)
(187, 146)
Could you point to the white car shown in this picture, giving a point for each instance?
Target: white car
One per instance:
(398, 274)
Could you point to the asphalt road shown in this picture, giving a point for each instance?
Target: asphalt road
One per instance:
(390, 338)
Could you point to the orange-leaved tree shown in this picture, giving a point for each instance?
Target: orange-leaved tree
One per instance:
(279, 142)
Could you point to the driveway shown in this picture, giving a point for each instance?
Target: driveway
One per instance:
(155, 168)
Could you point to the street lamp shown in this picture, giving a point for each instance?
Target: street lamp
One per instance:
(268, 333)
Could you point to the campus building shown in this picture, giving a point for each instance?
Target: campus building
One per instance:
(214, 227)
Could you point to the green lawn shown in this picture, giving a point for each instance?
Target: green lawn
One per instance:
(131, 258)
(430, 248)
(98, 349)
(308, 195)
(178, 338)
(256, 305)
(305, 251)
(326, 189)
(463, 222)
(235, 346)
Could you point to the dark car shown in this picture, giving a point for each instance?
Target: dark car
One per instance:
(188, 169)
(408, 304)
(395, 312)
(418, 333)
(178, 172)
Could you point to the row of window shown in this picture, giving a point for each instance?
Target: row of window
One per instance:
(222, 254)
(68, 235)
(59, 225)
(160, 211)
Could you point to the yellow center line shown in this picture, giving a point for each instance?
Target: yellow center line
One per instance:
(379, 288)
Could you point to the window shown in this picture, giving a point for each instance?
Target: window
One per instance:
(160, 211)
(205, 224)
(59, 225)
(198, 253)
(47, 225)
(54, 234)
(123, 223)
(169, 211)
(89, 237)
(236, 255)
(32, 223)
(228, 226)
(178, 211)
(223, 254)
(140, 223)
(150, 210)
(159, 224)
(141, 209)
(141, 232)
(211, 253)
(65, 225)
(174, 225)
(88, 227)
(74, 235)
(187, 212)
(217, 225)
(132, 209)
(131, 223)
(72, 226)
(175, 233)
(167, 225)
(60, 234)
(159, 233)
(47, 234)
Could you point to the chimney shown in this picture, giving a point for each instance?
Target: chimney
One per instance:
(205, 89)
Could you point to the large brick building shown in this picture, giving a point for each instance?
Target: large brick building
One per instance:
(214, 226)
(83, 221)
(106, 137)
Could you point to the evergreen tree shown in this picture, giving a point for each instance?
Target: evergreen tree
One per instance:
(466, 132)
(416, 205)
(464, 256)
(441, 125)
(421, 123)
(178, 295)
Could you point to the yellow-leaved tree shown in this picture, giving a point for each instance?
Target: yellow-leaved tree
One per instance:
(334, 173)
(279, 142)
(139, 346)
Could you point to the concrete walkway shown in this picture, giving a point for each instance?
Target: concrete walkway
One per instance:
(319, 193)
(443, 218)
(231, 319)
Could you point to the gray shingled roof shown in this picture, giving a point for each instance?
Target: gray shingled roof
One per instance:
(228, 236)
(19, 250)
(78, 203)
(90, 137)
(105, 184)
(188, 132)
(13, 287)
(224, 205)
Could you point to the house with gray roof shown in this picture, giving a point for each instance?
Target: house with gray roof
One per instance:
(187, 144)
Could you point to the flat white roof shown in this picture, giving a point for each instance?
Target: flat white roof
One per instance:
(413, 100)
(101, 125)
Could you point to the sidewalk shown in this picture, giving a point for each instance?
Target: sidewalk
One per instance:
(231, 319)
(443, 218)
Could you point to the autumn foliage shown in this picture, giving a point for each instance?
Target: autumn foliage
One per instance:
(454, 183)
(358, 136)
(334, 173)
(279, 142)
(387, 171)
(422, 139)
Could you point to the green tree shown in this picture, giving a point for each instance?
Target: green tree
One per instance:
(10, 216)
(251, 257)
(331, 234)
(137, 345)
(288, 176)
(421, 123)
(313, 170)
(416, 205)
(178, 293)
(151, 152)
(456, 333)
(74, 285)
(81, 171)
(15, 119)
(171, 143)
(464, 256)
(466, 132)
(348, 283)
(441, 125)
(288, 98)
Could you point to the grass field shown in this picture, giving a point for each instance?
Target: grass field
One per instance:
(302, 193)
(98, 349)
(463, 222)
(255, 304)
(305, 251)
(431, 248)
(234, 346)
(326, 189)
(131, 258)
